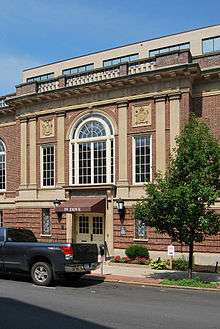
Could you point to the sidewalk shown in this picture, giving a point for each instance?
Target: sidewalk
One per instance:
(143, 275)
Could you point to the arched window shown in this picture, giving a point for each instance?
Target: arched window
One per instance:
(2, 166)
(92, 152)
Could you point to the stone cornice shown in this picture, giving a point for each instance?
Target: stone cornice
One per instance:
(173, 72)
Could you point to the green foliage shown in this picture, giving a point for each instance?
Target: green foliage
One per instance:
(136, 250)
(195, 282)
(159, 264)
(179, 203)
(180, 264)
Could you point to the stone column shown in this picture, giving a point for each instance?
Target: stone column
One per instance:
(32, 153)
(69, 227)
(160, 135)
(60, 149)
(174, 119)
(23, 136)
(123, 148)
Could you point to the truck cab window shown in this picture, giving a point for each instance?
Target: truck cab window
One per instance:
(15, 235)
(1, 234)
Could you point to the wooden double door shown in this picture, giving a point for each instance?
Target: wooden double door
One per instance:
(89, 228)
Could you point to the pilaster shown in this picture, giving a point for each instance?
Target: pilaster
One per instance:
(174, 119)
(123, 149)
(60, 149)
(32, 153)
(23, 150)
(160, 103)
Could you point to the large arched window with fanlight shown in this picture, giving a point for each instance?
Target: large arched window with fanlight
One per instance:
(92, 151)
(2, 166)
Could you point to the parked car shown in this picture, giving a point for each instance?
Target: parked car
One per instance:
(20, 252)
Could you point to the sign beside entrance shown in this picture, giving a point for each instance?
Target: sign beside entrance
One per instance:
(70, 209)
(122, 231)
(171, 250)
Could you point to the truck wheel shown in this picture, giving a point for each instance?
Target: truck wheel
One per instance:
(41, 273)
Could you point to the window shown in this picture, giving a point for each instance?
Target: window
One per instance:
(42, 77)
(142, 159)
(97, 225)
(120, 60)
(84, 224)
(20, 235)
(2, 166)
(140, 230)
(92, 152)
(79, 69)
(46, 222)
(210, 45)
(48, 165)
(168, 49)
(2, 238)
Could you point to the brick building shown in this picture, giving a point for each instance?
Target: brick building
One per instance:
(81, 133)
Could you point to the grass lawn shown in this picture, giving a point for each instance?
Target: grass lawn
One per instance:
(195, 282)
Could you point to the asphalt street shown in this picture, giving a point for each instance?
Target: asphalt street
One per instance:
(93, 305)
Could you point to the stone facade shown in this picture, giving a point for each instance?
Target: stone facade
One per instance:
(156, 103)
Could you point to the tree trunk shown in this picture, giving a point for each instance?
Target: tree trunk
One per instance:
(190, 267)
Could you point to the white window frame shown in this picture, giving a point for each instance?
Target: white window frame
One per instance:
(41, 166)
(76, 141)
(4, 153)
(134, 159)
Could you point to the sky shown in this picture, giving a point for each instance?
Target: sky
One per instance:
(35, 32)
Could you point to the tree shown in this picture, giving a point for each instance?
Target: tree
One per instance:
(179, 203)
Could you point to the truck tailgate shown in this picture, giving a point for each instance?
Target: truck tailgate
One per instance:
(85, 253)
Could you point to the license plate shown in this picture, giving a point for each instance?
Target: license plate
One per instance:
(87, 267)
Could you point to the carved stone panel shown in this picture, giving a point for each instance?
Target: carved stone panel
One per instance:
(47, 128)
(141, 115)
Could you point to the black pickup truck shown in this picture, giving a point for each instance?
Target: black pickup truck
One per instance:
(20, 252)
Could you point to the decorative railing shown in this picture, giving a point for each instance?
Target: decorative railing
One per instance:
(95, 76)
(106, 73)
(3, 103)
(141, 67)
(48, 85)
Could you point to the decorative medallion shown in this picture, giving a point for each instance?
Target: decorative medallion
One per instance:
(141, 115)
(46, 128)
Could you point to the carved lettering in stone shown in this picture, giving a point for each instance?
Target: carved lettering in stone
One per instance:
(141, 115)
(47, 128)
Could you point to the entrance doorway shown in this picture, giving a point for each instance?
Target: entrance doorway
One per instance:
(89, 228)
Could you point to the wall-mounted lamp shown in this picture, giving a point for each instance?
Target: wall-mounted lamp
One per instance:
(121, 208)
(56, 203)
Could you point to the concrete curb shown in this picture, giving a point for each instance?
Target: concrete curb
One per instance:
(144, 283)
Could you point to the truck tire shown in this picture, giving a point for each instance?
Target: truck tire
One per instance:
(41, 273)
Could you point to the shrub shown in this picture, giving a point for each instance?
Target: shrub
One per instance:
(136, 250)
(180, 264)
(159, 264)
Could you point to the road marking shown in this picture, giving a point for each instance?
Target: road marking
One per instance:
(36, 286)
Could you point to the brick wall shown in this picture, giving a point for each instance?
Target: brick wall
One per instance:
(208, 108)
(31, 218)
(156, 241)
(10, 135)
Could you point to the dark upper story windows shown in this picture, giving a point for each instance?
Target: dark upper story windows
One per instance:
(79, 69)
(42, 77)
(168, 49)
(120, 60)
(210, 45)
